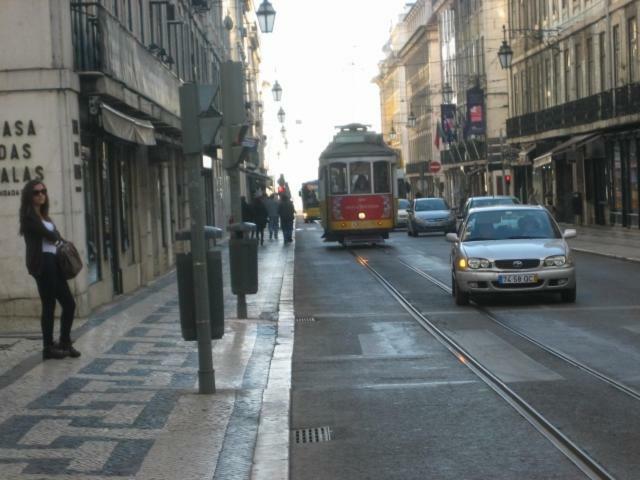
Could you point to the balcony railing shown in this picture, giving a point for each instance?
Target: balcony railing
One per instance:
(583, 111)
(102, 44)
(85, 35)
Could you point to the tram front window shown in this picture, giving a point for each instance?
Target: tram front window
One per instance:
(360, 174)
(338, 178)
(381, 181)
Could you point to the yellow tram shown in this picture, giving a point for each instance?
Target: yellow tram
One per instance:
(356, 187)
(310, 204)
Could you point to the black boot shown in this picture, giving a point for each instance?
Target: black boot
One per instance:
(53, 351)
(68, 349)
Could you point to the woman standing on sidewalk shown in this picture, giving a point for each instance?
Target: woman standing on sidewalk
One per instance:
(40, 237)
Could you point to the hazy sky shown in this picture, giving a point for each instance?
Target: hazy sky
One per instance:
(324, 54)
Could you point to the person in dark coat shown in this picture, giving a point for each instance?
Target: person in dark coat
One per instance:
(260, 216)
(287, 214)
(40, 237)
(247, 212)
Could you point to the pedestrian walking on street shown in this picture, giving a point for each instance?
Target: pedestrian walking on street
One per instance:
(247, 212)
(287, 214)
(271, 203)
(40, 237)
(260, 216)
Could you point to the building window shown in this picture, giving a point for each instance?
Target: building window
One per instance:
(578, 69)
(602, 50)
(547, 83)
(556, 78)
(632, 49)
(92, 228)
(590, 66)
(141, 18)
(126, 206)
(616, 55)
(567, 75)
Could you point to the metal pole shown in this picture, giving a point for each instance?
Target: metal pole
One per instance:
(504, 183)
(190, 106)
(236, 210)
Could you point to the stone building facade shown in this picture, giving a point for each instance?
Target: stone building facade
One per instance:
(89, 103)
(575, 98)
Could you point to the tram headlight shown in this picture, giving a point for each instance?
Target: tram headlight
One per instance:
(362, 216)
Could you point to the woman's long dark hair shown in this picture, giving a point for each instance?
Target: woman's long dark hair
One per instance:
(26, 203)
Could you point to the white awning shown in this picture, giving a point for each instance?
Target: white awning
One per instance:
(571, 144)
(126, 127)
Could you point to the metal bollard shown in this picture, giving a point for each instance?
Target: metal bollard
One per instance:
(186, 300)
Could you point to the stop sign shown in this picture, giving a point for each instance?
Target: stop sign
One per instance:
(434, 167)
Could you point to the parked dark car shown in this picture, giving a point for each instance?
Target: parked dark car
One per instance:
(431, 214)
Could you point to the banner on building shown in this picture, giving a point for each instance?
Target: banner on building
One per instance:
(475, 112)
(448, 118)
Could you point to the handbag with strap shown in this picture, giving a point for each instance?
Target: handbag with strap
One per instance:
(68, 259)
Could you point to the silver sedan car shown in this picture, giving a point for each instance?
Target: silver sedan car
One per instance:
(517, 248)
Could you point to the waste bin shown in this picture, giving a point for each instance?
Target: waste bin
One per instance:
(243, 258)
(186, 291)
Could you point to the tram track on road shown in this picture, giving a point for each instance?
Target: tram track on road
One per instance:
(574, 453)
(555, 352)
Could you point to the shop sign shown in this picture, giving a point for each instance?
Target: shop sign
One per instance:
(16, 156)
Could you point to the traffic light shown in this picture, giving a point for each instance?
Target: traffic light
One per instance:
(507, 180)
(234, 114)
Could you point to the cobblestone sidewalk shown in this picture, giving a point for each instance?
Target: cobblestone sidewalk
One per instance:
(129, 408)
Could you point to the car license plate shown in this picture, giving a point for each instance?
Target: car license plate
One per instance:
(515, 278)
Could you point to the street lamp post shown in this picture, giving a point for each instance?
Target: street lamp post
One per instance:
(277, 91)
(266, 16)
(281, 115)
(505, 53)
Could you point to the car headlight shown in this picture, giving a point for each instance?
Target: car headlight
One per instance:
(476, 263)
(555, 261)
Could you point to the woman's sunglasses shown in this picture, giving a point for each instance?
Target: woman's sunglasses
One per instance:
(42, 191)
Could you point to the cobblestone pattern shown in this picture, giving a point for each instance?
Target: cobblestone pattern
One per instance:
(236, 457)
(102, 421)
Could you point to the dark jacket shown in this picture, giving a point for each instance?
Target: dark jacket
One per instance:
(260, 215)
(34, 231)
(286, 210)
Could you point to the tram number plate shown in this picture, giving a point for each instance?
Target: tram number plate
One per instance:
(518, 278)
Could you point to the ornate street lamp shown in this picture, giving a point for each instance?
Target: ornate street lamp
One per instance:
(283, 131)
(281, 115)
(277, 91)
(266, 16)
(447, 93)
(392, 133)
(411, 120)
(505, 53)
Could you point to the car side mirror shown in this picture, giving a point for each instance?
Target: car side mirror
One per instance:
(409, 209)
(570, 233)
(452, 237)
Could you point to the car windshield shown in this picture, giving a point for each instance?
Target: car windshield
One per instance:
(491, 201)
(430, 204)
(509, 225)
(403, 203)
